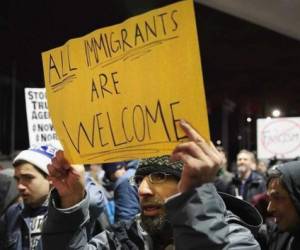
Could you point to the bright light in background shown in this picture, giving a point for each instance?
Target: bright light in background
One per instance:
(218, 142)
(276, 113)
(249, 119)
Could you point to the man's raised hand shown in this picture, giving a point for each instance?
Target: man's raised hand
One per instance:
(201, 160)
(67, 179)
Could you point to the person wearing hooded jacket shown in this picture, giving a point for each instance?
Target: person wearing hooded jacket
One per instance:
(284, 205)
(180, 207)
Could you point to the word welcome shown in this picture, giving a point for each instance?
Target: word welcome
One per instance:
(135, 124)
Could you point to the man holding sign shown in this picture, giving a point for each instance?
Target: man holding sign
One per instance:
(124, 90)
(179, 203)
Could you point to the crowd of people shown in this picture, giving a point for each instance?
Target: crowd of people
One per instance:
(187, 200)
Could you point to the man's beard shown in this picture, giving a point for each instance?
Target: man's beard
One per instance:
(242, 169)
(155, 224)
(158, 227)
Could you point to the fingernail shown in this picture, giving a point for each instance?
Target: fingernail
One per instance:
(183, 122)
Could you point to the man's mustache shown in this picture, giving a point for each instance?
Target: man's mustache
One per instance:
(152, 202)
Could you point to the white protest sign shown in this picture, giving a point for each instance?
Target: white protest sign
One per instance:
(279, 137)
(40, 128)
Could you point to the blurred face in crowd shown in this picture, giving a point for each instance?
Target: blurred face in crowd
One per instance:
(95, 168)
(152, 196)
(32, 184)
(262, 167)
(117, 174)
(281, 206)
(244, 163)
(224, 157)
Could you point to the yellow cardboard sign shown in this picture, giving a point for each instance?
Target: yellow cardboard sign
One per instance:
(118, 92)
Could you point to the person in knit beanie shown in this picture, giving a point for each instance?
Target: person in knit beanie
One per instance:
(163, 175)
(23, 221)
(180, 207)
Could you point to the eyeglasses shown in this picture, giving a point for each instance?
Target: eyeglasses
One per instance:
(156, 177)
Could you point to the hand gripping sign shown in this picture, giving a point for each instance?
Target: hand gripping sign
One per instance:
(118, 92)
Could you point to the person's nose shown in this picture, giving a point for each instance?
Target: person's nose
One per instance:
(21, 187)
(145, 188)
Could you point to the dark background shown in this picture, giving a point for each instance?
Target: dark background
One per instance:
(248, 70)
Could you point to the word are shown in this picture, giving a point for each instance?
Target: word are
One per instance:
(104, 85)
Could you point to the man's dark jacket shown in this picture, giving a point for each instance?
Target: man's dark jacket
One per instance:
(199, 220)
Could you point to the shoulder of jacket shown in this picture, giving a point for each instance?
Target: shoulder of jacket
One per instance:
(14, 209)
(11, 217)
(258, 178)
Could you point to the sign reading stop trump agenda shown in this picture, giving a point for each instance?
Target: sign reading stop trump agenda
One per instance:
(40, 128)
(118, 92)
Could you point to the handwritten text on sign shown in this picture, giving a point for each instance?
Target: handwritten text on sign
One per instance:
(278, 137)
(118, 92)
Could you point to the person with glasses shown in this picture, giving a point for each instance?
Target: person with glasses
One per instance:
(180, 207)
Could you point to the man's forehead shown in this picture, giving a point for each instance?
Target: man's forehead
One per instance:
(25, 168)
(244, 155)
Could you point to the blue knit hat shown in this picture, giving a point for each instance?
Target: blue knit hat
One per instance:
(39, 156)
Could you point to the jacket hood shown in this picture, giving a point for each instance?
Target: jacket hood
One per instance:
(291, 178)
(247, 214)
